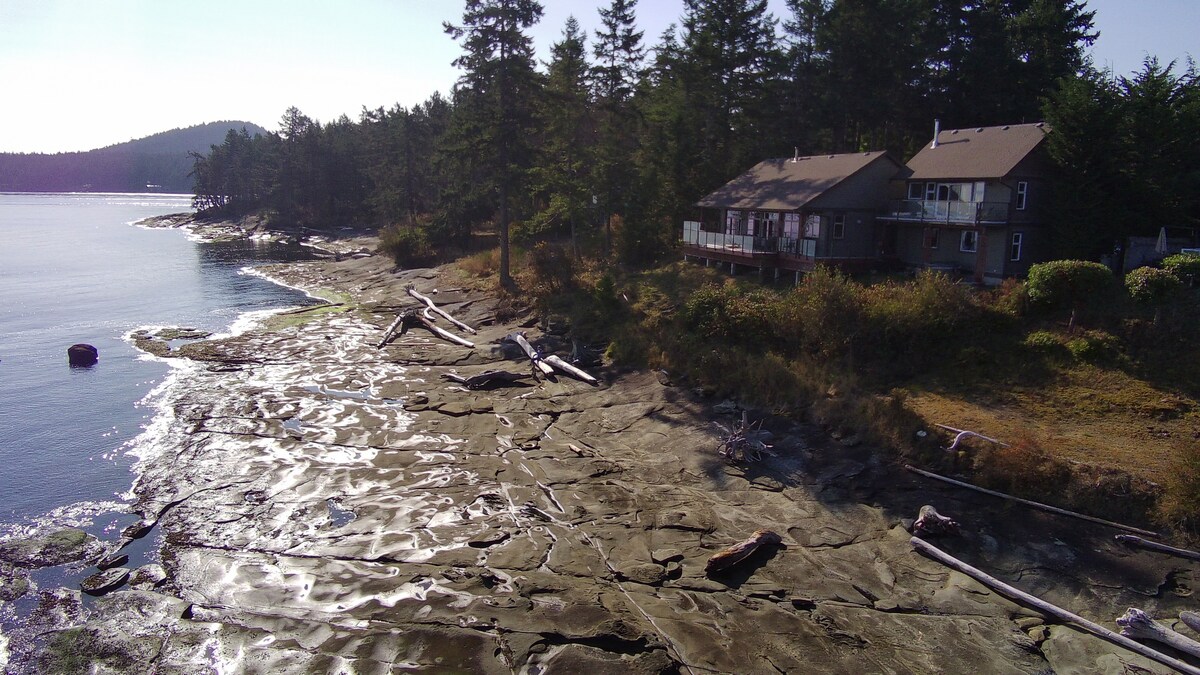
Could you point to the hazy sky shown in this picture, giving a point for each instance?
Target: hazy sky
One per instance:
(81, 74)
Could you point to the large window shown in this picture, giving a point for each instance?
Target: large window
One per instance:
(812, 227)
(1022, 194)
(969, 242)
(736, 222)
(1014, 249)
(839, 226)
(934, 235)
(791, 225)
(915, 190)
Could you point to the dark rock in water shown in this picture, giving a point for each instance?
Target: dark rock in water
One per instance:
(114, 560)
(55, 548)
(138, 529)
(104, 582)
(82, 355)
(147, 576)
(13, 582)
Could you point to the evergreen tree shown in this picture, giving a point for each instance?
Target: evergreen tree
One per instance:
(806, 101)
(499, 86)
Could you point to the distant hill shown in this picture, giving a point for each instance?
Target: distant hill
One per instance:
(158, 163)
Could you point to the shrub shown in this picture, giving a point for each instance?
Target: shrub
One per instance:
(1185, 267)
(1069, 284)
(1180, 504)
(1094, 346)
(730, 315)
(408, 246)
(824, 312)
(907, 324)
(1023, 468)
(551, 266)
(482, 264)
(1151, 286)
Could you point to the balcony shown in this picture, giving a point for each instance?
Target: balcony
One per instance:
(947, 212)
(736, 244)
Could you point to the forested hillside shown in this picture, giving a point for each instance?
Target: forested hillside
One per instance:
(160, 163)
(613, 139)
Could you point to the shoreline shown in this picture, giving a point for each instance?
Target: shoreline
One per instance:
(324, 503)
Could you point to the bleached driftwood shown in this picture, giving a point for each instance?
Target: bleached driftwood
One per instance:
(1029, 503)
(569, 369)
(1135, 623)
(409, 318)
(532, 353)
(1191, 620)
(964, 433)
(486, 379)
(738, 552)
(930, 522)
(1049, 609)
(430, 307)
(743, 442)
(1138, 542)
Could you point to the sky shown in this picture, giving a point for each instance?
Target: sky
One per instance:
(83, 74)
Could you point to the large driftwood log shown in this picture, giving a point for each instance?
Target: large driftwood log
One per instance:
(532, 353)
(569, 369)
(1191, 620)
(410, 318)
(1032, 504)
(930, 522)
(740, 551)
(1049, 609)
(486, 379)
(437, 310)
(1138, 542)
(1136, 624)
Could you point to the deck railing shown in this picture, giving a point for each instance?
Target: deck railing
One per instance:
(733, 243)
(937, 211)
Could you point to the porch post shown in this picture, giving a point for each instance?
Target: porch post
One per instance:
(980, 254)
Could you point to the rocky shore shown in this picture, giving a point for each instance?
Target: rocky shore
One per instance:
(330, 506)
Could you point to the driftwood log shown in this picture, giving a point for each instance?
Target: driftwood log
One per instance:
(744, 442)
(1029, 503)
(1049, 609)
(1137, 542)
(960, 434)
(410, 318)
(930, 522)
(738, 552)
(532, 353)
(1137, 624)
(569, 369)
(1191, 620)
(430, 307)
(486, 379)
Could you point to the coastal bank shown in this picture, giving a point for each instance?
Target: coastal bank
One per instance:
(330, 506)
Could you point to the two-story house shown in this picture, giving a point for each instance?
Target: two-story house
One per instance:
(794, 213)
(971, 202)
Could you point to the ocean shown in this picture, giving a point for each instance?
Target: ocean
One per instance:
(74, 268)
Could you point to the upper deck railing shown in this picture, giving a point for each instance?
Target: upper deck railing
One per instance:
(938, 211)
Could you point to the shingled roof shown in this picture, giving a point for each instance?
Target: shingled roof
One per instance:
(986, 152)
(788, 184)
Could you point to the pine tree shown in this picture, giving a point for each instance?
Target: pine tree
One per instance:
(499, 86)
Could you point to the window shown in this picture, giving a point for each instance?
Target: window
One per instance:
(930, 191)
(812, 227)
(915, 190)
(934, 235)
(839, 226)
(1022, 194)
(1014, 249)
(969, 241)
(736, 222)
(791, 225)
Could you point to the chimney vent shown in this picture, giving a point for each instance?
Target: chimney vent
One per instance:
(937, 129)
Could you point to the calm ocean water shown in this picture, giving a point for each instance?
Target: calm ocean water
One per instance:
(74, 269)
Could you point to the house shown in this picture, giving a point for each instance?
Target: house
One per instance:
(972, 201)
(794, 213)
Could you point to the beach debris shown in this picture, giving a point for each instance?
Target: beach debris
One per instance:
(1048, 608)
(534, 355)
(1137, 542)
(735, 554)
(569, 369)
(486, 379)
(1135, 623)
(104, 582)
(745, 442)
(430, 307)
(930, 522)
(410, 318)
(1029, 503)
(82, 355)
(1190, 619)
(965, 433)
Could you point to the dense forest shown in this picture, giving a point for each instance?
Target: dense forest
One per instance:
(163, 161)
(613, 139)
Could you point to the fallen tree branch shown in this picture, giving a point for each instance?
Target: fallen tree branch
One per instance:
(569, 369)
(532, 353)
(930, 522)
(963, 433)
(1191, 620)
(1033, 504)
(410, 318)
(740, 551)
(389, 334)
(1137, 542)
(1135, 623)
(430, 307)
(1049, 609)
(486, 379)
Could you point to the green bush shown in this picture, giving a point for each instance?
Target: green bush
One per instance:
(823, 313)
(730, 315)
(1094, 347)
(551, 266)
(908, 324)
(1043, 342)
(408, 246)
(1185, 267)
(1151, 286)
(1069, 284)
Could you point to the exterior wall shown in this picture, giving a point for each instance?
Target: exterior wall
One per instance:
(866, 190)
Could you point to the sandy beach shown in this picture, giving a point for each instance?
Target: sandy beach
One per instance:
(331, 506)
